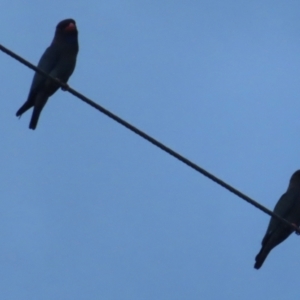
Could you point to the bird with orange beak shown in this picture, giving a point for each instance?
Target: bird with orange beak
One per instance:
(59, 61)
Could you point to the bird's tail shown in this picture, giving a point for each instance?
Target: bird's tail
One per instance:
(35, 118)
(40, 103)
(261, 256)
(23, 108)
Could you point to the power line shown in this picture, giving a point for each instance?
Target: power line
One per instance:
(150, 139)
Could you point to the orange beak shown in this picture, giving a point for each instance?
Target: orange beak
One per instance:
(70, 27)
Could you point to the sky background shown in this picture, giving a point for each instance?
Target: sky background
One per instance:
(89, 210)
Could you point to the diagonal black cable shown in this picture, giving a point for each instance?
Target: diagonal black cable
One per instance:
(151, 140)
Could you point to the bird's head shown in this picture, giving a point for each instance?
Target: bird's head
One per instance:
(66, 29)
(295, 179)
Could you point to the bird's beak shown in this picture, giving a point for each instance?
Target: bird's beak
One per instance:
(70, 27)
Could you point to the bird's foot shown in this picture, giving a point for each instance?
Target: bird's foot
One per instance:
(64, 86)
(297, 228)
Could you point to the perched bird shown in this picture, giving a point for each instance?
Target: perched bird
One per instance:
(288, 207)
(59, 61)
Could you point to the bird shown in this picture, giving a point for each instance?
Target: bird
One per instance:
(59, 61)
(287, 207)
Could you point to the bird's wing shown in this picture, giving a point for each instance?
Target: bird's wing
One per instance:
(66, 63)
(286, 202)
(46, 63)
(283, 208)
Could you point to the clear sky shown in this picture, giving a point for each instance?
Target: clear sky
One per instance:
(91, 211)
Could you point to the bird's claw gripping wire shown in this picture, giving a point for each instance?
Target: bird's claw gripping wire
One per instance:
(296, 227)
(64, 86)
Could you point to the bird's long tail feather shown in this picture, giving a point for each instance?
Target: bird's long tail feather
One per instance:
(27, 105)
(39, 104)
(261, 256)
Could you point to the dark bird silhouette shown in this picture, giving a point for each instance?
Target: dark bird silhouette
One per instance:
(59, 61)
(288, 207)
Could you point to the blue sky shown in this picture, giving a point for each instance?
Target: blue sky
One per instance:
(91, 211)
